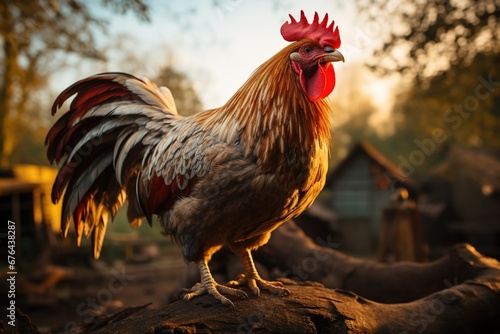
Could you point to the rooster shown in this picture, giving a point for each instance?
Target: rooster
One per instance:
(222, 177)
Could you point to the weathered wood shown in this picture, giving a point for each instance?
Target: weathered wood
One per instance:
(292, 254)
(459, 293)
(470, 307)
(400, 236)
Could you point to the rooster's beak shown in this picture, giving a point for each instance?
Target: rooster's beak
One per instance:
(332, 56)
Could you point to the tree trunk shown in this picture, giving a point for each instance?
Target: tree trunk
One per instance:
(6, 86)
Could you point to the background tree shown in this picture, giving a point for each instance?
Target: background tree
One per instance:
(443, 51)
(423, 38)
(186, 98)
(123, 50)
(458, 101)
(36, 37)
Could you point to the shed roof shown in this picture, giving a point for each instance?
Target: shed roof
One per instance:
(480, 164)
(9, 186)
(364, 148)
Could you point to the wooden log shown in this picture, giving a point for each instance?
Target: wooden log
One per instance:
(471, 306)
(291, 254)
(296, 256)
(459, 293)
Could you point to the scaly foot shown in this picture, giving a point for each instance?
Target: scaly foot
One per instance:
(253, 279)
(254, 282)
(209, 286)
(215, 290)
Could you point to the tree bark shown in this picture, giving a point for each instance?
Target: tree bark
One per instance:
(458, 293)
(6, 85)
(290, 253)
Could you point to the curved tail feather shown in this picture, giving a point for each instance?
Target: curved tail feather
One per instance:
(101, 144)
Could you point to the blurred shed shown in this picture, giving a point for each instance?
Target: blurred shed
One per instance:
(464, 190)
(23, 200)
(361, 187)
(43, 177)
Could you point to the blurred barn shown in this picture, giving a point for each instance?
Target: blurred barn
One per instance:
(461, 200)
(361, 187)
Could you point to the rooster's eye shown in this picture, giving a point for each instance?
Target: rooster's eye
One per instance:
(308, 49)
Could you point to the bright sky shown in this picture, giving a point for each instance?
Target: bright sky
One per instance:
(219, 47)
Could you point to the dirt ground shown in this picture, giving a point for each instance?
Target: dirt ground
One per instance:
(69, 295)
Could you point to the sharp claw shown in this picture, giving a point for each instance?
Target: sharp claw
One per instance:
(221, 298)
(231, 291)
(243, 294)
(254, 283)
(209, 286)
(227, 302)
(215, 291)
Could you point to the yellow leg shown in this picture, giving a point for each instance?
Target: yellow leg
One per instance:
(209, 286)
(253, 280)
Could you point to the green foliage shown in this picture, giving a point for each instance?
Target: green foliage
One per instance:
(448, 52)
(424, 38)
(36, 36)
(186, 99)
(459, 101)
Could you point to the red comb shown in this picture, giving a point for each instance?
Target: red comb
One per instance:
(315, 30)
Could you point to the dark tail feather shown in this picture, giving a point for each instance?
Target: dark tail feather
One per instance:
(105, 120)
(99, 84)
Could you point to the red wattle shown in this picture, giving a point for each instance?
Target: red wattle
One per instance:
(330, 80)
(320, 84)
